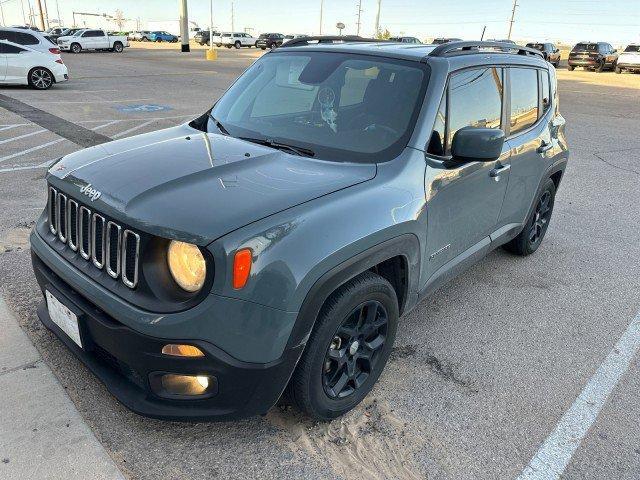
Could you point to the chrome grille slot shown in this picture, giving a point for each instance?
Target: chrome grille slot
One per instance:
(104, 243)
(97, 236)
(130, 256)
(72, 224)
(114, 246)
(52, 210)
(61, 217)
(84, 228)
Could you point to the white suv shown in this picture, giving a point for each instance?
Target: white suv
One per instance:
(236, 39)
(629, 59)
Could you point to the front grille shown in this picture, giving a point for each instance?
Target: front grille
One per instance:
(106, 244)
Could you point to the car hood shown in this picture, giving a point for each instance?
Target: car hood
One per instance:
(193, 186)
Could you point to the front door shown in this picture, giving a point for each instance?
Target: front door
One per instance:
(464, 200)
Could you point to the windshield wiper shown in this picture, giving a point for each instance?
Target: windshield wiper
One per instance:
(301, 151)
(219, 125)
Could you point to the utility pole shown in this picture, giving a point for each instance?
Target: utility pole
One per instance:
(483, 30)
(233, 20)
(46, 13)
(24, 17)
(41, 15)
(359, 14)
(58, 12)
(2, 14)
(378, 18)
(321, 8)
(513, 14)
(184, 25)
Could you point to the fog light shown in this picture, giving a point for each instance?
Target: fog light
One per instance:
(191, 385)
(179, 350)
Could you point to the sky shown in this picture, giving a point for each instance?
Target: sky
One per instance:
(615, 21)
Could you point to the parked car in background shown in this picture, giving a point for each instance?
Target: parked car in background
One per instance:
(23, 65)
(269, 40)
(237, 40)
(27, 27)
(441, 40)
(90, 39)
(405, 40)
(161, 36)
(629, 60)
(29, 38)
(202, 37)
(293, 36)
(55, 33)
(549, 50)
(141, 36)
(597, 56)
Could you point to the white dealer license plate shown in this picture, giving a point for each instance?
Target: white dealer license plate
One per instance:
(63, 318)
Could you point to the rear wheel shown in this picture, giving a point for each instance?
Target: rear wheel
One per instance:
(618, 69)
(348, 348)
(571, 68)
(40, 78)
(601, 65)
(533, 232)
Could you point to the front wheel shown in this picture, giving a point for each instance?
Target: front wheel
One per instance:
(618, 70)
(533, 232)
(571, 68)
(76, 48)
(601, 65)
(40, 78)
(237, 44)
(348, 348)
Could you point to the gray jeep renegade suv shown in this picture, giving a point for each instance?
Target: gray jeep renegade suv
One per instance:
(271, 245)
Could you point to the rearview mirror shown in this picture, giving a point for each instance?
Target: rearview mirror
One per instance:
(477, 144)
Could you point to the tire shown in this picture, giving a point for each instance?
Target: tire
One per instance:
(618, 70)
(237, 45)
(158, 40)
(256, 44)
(118, 47)
(571, 68)
(328, 355)
(601, 66)
(218, 44)
(40, 78)
(263, 48)
(145, 39)
(228, 46)
(526, 243)
(75, 48)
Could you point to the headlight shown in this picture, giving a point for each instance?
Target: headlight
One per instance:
(187, 265)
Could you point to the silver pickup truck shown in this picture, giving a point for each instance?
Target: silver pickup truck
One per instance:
(92, 40)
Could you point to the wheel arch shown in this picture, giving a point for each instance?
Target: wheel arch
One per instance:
(396, 260)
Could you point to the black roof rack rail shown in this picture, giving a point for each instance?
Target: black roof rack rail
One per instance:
(466, 46)
(330, 39)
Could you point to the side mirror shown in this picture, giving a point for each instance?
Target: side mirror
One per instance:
(477, 144)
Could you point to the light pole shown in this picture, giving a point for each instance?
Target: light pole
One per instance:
(233, 24)
(378, 17)
(184, 25)
(212, 54)
(321, 8)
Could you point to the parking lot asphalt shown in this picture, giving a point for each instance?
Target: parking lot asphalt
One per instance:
(483, 373)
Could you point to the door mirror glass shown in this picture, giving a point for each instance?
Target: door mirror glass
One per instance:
(477, 144)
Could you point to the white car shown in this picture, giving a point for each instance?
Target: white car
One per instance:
(93, 40)
(629, 59)
(22, 65)
(28, 38)
(235, 39)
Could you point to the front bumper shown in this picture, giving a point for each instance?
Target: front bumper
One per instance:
(124, 359)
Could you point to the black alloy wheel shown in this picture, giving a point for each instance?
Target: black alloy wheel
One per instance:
(355, 349)
(542, 216)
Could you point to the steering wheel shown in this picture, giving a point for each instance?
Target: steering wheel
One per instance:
(371, 125)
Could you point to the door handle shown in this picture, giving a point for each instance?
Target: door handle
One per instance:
(499, 170)
(545, 147)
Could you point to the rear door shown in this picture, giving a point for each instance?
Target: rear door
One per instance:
(101, 40)
(18, 62)
(464, 200)
(529, 137)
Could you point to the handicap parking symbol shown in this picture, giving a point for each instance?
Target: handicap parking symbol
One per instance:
(145, 107)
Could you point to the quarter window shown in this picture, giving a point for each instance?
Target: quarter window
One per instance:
(524, 98)
(546, 92)
(436, 142)
(475, 100)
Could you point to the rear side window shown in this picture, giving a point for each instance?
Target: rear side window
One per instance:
(524, 98)
(6, 48)
(18, 37)
(475, 100)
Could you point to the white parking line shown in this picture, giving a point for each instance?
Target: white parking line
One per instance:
(132, 129)
(45, 145)
(101, 101)
(22, 136)
(9, 127)
(555, 453)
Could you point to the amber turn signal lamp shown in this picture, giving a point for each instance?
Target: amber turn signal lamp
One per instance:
(241, 267)
(179, 350)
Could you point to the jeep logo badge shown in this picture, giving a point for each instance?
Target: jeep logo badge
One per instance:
(92, 193)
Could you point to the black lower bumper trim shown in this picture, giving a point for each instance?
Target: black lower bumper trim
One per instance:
(123, 360)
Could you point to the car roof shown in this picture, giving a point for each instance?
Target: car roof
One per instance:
(420, 53)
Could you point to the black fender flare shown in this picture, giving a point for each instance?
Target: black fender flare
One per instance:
(406, 245)
(558, 166)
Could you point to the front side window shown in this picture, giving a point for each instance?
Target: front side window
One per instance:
(344, 107)
(524, 98)
(475, 100)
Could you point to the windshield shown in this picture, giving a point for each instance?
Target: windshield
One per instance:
(537, 46)
(633, 48)
(343, 107)
(78, 33)
(591, 47)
